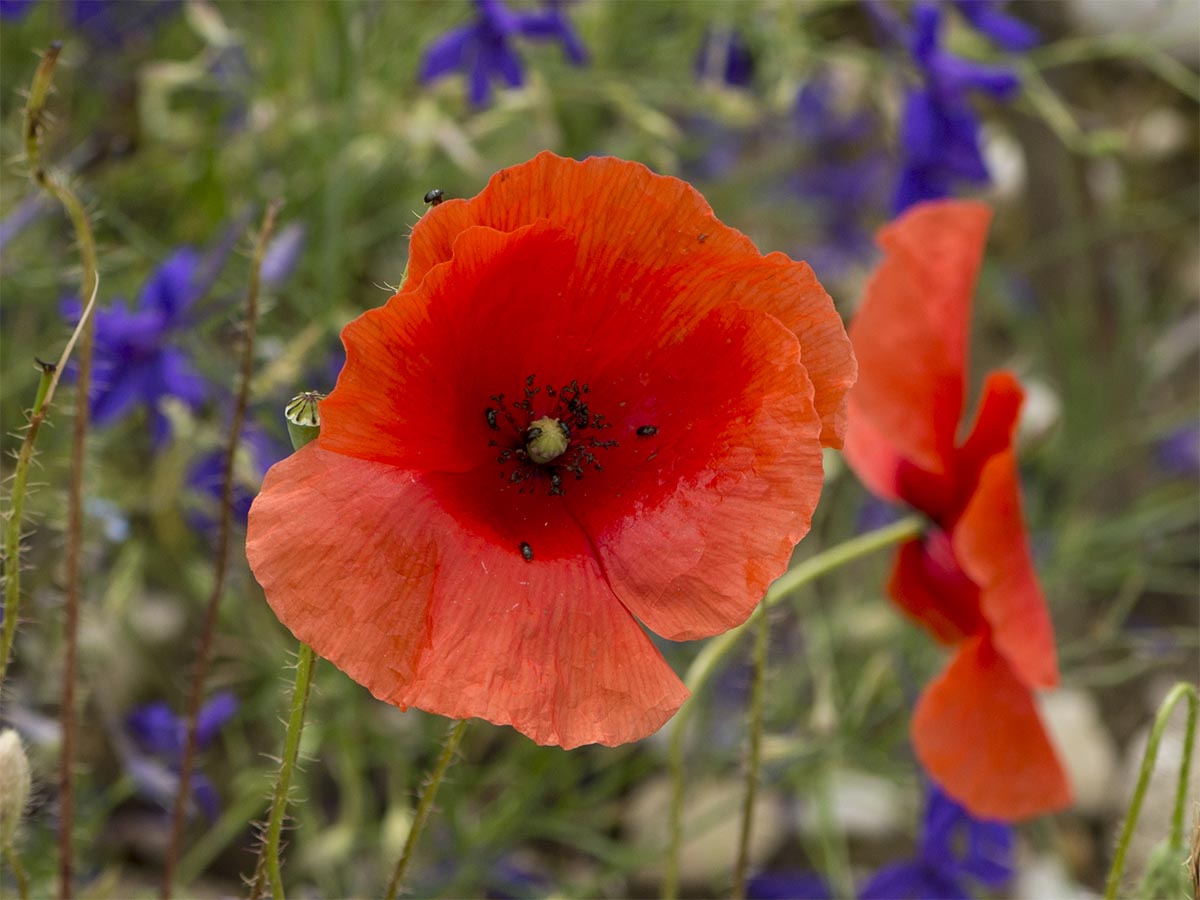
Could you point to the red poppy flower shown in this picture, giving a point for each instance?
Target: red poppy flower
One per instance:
(970, 581)
(591, 401)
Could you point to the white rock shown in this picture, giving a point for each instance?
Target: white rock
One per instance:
(1084, 745)
(861, 805)
(1045, 877)
(711, 824)
(1170, 25)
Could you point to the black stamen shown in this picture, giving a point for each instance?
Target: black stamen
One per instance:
(526, 551)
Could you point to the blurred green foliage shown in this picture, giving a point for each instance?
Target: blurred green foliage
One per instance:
(181, 133)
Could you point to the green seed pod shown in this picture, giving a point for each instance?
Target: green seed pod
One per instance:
(15, 784)
(303, 418)
(546, 440)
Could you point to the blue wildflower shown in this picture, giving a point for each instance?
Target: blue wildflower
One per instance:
(939, 131)
(483, 49)
(725, 56)
(840, 182)
(15, 10)
(136, 361)
(788, 886)
(1179, 452)
(282, 254)
(161, 735)
(956, 851)
(104, 21)
(208, 472)
(1004, 30)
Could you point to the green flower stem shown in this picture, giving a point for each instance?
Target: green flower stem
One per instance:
(221, 558)
(425, 804)
(14, 863)
(707, 660)
(754, 763)
(12, 536)
(268, 857)
(35, 109)
(1180, 691)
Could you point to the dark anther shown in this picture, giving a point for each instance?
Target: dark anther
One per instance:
(491, 413)
(532, 434)
(434, 197)
(647, 431)
(526, 551)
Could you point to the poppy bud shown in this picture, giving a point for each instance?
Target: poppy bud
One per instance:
(1166, 873)
(303, 418)
(15, 784)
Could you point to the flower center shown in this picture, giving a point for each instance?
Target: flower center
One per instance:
(542, 446)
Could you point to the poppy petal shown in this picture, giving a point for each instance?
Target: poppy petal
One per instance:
(928, 584)
(628, 220)
(977, 732)
(380, 577)
(910, 336)
(738, 440)
(990, 543)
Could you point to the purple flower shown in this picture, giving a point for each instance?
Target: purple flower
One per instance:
(939, 131)
(724, 56)
(956, 850)
(840, 182)
(136, 362)
(1179, 452)
(1004, 30)
(161, 735)
(207, 475)
(788, 886)
(282, 254)
(483, 49)
(15, 10)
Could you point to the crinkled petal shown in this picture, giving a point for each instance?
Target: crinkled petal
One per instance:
(629, 220)
(402, 590)
(696, 561)
(910, 336)
(977, 732)
(691, 523)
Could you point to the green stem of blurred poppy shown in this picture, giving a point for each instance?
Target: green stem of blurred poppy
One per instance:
(14, 863)
(713, 652)
(754, 763)
(12, 537)
(425, 804)
(1177, 693)
(268, 866)
(34, 119)
(221, 558)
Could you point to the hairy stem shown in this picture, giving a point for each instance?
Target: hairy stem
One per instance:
(268, 856)
(1181, 691)
(708, 659)
(221, 559)
(425, 804)
(754, 763)
(12, 534)
(84, 332)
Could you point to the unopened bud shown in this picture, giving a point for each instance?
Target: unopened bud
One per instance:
(1166, 873)
(303, 418)
(15, 784)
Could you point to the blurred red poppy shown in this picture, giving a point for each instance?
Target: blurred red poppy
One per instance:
(970, 581)
(590, 401)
